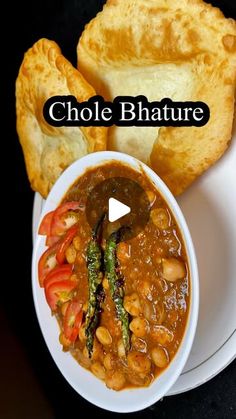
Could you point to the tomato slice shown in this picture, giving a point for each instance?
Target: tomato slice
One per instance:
(59, 226)
(72, 320)
(47, 262)
(50, 240)
(59, 292)
(64, 244)
(59, 273)
(45, 226)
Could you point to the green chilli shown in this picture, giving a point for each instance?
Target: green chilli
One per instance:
(115, 280)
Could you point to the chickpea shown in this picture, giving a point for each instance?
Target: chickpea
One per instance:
(64, 308)
(64, 341)
(79, 259)
(70, 254)
(145, 289)
(105, 283)
(108, 361)
(138, 362)
(139, 327)
(160, 218)
(97, 354)
(77, 243)
(161, 335)
(160, 357)
(141, 379)
(123, 252)
(82, 336)
(98, 370)
(103, 335)
(149, 312)
(84, 361)
(138, 344)
(121, 349)
(162, 284)
(132, 304)
(115, 380)
(161, 313)
(173, 269)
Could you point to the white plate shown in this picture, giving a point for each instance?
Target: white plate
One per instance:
(209, 207)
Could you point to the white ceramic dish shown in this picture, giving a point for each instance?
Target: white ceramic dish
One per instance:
(80, 379)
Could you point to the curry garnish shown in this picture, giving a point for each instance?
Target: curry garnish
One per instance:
(95, 276)
(115, 280)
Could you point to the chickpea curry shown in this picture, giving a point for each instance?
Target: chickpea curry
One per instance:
(122, 305)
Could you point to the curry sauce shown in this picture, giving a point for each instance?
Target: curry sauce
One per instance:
(156, 289)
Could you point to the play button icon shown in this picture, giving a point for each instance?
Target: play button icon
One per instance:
(116, 209)
(124, 203)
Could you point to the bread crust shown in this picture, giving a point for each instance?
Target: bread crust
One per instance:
(182, 49)
(48, 150)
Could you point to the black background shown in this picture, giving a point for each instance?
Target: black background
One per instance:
(30, 384)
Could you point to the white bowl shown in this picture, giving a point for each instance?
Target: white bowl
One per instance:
(84, 382)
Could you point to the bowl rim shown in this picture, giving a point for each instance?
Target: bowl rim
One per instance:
(59, 189)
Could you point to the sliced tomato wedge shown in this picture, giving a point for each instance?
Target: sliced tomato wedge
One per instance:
(65, 243)
(59, 292)
(72, 320)
(59, 225)
(50, 240)
(59, 273)
(47, 262)
(45, 226)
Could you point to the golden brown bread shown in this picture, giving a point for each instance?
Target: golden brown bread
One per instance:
(182, 49)
(49, 150)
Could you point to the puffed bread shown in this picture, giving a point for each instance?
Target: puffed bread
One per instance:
(182, 49)
(49, 150)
